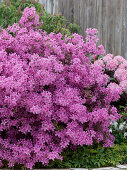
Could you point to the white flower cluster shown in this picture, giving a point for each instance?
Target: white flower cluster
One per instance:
(119, 127)
(123, 126)
(125, 134)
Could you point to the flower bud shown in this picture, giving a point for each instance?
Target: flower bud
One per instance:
(43, 6)
(8, 2)
(19, 9)
(33, 2)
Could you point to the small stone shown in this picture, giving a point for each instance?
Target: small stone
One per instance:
(122, 166)
(106, 168)
(78, 169)
(50, 169)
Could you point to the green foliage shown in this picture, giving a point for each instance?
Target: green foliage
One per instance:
(11, 12)
(8, 14)
(90, 157)
(74, 28)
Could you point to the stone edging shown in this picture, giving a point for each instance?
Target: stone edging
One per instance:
(118, 167)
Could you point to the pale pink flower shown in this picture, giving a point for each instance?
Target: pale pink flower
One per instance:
(112, 65)
(100, 62)
(120, 74)
(119, 58)
(108, 57)
(123, 84)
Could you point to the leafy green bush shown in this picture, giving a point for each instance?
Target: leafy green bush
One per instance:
(11, 12)
(90, 157)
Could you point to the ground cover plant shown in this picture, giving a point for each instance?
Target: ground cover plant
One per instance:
(11, 12)
(52, 96)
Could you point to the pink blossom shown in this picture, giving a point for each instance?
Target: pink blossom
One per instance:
(120, 59)
(116, 91)
(100, 62)
(120, 74)
(108, 57)
(112, 64)
(123, 85)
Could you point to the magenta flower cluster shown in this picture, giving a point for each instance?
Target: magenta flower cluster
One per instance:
(51, 95)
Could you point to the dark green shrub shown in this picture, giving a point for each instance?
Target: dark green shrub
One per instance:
(91, 157)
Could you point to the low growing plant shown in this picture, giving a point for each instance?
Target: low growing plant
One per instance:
(116, 68)
(90, 157)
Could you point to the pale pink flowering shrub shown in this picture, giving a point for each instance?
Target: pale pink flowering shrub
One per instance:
(52, 96)
(116, 68)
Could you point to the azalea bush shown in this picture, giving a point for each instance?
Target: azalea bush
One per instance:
(11, 12)
(116, 68)
(52, 96)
